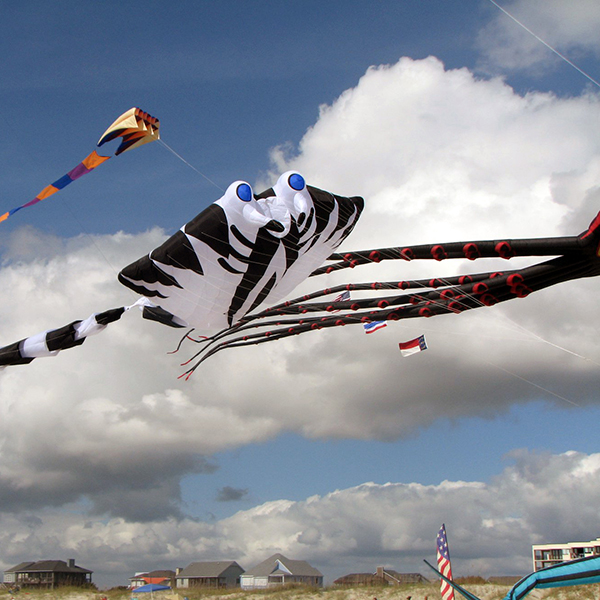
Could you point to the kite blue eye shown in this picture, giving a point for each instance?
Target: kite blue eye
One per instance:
(244, 192)
(296, 182)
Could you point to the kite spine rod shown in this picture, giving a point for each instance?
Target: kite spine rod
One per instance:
(507, 248)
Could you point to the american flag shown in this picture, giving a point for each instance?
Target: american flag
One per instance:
(443, 561)
(343, 296)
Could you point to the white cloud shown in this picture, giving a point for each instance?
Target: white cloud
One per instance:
(568, 27)
(491, 526)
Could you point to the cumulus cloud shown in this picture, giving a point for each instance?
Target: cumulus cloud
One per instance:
(441, 155)
(109, 429)
(569, 28)
(491, 526)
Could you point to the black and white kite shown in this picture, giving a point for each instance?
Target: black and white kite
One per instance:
(243, 252)
(227, 273)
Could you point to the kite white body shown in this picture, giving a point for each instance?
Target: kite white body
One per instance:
(243, 252)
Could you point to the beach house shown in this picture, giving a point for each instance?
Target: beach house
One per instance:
(382, 576)
(47, 574)
(214, 574)
(280, 570)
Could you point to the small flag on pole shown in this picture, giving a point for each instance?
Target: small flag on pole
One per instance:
(443, 561)
(374, 326)
(412, 346)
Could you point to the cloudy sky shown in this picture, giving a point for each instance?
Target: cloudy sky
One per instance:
(453, 123)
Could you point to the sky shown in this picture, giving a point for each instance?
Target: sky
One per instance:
(454, 123)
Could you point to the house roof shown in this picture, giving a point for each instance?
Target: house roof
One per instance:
(274, 563)
(366, 577)
(159, 573)
(403, 576)
(208, 569)
(46, 566)
(19, 567)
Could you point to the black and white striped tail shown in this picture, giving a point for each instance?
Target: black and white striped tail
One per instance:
(50, 343)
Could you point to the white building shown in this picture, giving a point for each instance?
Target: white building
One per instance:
(547, 555)
(280, 570)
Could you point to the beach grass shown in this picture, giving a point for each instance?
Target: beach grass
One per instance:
(421, 591)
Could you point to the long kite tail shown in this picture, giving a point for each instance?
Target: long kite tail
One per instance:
(50, 343)
(53, 341)
(135, 127)
(87, 165)
(405, 300)
(585, 244)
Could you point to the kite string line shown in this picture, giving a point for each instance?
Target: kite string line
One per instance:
(522, 328)
(511, 373)
(167, 147)
(545, 341)
(529, 382)
(539, 39)
(543, 389)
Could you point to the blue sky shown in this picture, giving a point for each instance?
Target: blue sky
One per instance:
(454, 123)
(443, 451)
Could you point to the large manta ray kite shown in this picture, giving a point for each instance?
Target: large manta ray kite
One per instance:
(228, 271)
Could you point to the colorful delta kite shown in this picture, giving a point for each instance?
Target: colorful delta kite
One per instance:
(135, 127)
(583, 571)
(228, 273)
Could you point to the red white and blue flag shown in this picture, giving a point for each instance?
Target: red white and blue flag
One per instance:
(417, 345)
(343, 296)
(374, 326)
(443, 561)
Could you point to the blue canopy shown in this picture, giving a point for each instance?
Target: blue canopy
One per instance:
(152, 587)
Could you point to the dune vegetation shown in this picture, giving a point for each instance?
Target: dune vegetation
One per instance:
(425, 591)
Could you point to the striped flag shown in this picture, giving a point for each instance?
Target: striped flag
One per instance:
(417, 345)
(374, 326)
(443, 561)
(343, 296)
